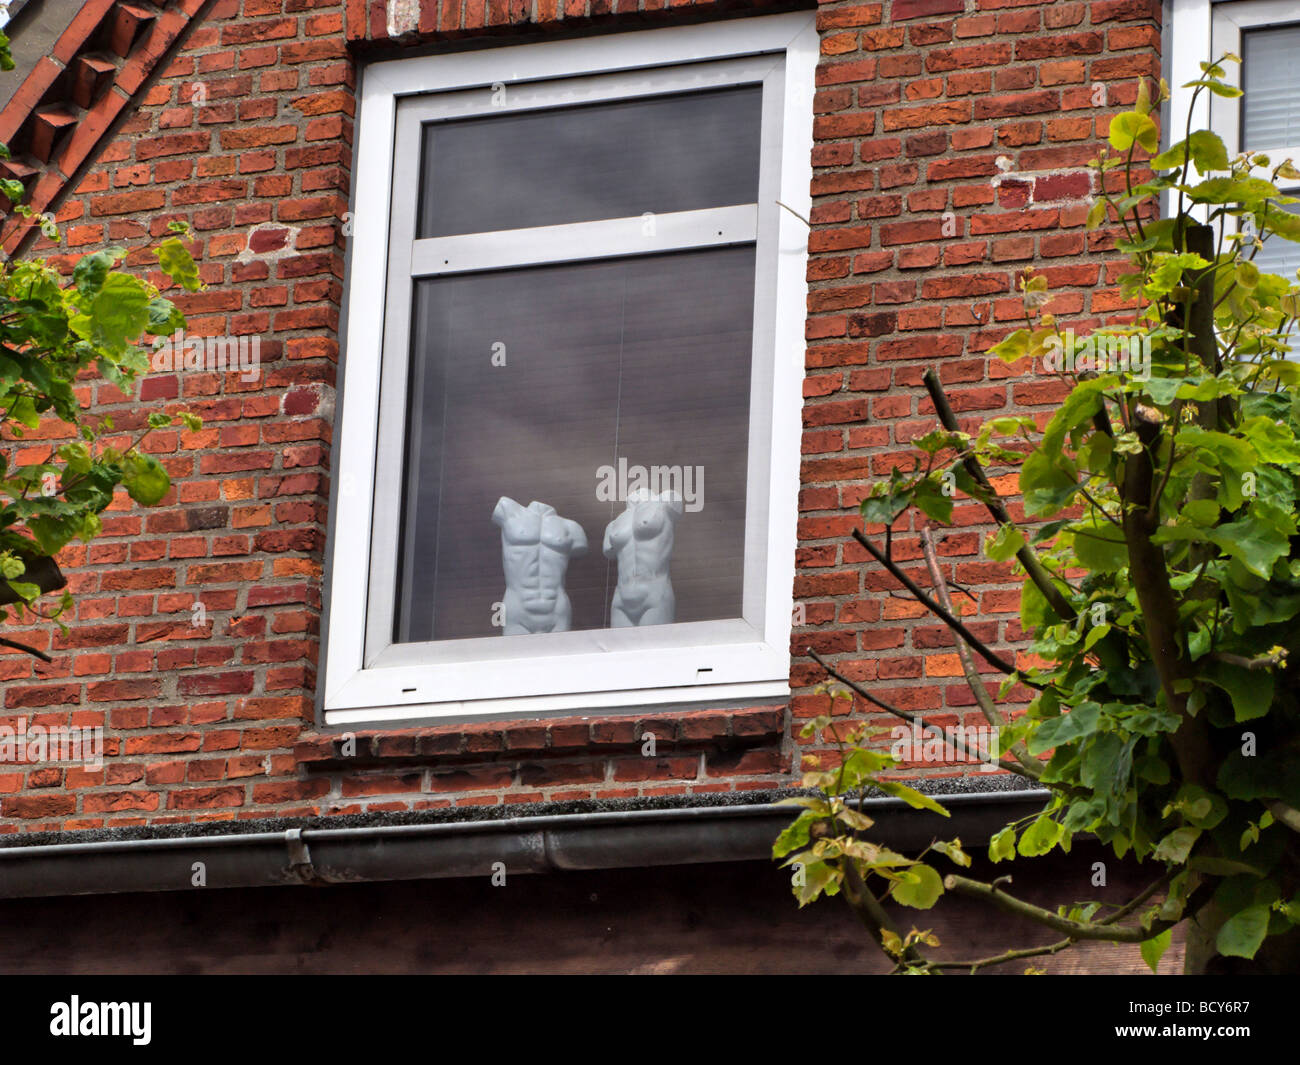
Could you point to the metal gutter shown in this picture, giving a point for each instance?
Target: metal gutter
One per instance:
(546, 844)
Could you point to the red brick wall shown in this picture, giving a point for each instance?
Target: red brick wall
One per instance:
(952, 142)
(916, 102)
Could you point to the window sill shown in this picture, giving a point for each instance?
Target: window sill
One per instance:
(675, 731)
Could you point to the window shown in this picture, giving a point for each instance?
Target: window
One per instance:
(569, 439)
(1266, 118)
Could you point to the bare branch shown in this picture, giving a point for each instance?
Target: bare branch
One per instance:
(992, 893)
(916, 719)
(1002, 959)
(946, 616)
(1287, 815)
(973, 680)
(1053, 948)
(1268, 661)
(4, 642)
(1034, 568)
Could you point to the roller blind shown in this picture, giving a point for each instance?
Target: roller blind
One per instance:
(680, 152)
(645, 360)
(1271, 88)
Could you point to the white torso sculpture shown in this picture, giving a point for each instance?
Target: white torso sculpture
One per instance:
(641, 539)
(536, 545)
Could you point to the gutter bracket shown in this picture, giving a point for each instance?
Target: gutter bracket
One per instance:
(300, 865)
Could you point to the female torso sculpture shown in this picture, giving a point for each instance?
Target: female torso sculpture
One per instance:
(641, 539)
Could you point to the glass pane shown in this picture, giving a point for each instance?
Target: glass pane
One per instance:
(533, 384)
(681, 152)
(1271, 100)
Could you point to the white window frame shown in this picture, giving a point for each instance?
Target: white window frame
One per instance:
(366, 679)
(1227, 22)
(1203, 30)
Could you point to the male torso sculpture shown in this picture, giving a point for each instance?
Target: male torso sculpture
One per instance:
(641, 539)
(536, 545)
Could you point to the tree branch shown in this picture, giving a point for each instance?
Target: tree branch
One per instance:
(1150, 576)
(1287, 815)
(4, 642)
(912, 718)
(1268, 661)
(873, 915)
(1054, 948)
(1034, 568)
(982, 698)
(1002, 959)
(991, 893)
(992, 657)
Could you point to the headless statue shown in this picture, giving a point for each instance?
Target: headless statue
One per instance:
(536, 545)
(641, 539)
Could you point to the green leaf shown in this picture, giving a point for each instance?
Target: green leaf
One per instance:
(1241, 934)
(1129, 128)
(1101, 548)
(1177, 845)
(1002, 847)
(1205, 148)
(1247, 191)
(886, 502)
(91, 271)
(1223, 867)
(1228, 92)
(1014, 347)
(953, 852)
(118, 313)
(77, 456)
(1153, 949)
(144, 478)
(795, 835)
(164, 317)
(1153, 769)
(915, 799)
(1082, 814)
(1004, 543)
(176, 261)
(818, 878)
(1102, 765)
(1273, 442)
(918, 887)
(1047, 487)
(1066, 728)
(1256, 544)
(1251, 690)
(1079, 407)
(25, 589)
(931, 500)
(1035, 612)
(1040, 837)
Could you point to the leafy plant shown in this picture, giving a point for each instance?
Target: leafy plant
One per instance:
(1161, 587)
(55, 335)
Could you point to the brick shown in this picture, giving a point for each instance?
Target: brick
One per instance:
(915, 102)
